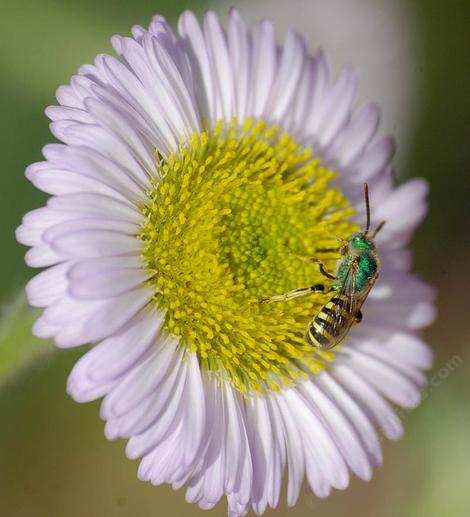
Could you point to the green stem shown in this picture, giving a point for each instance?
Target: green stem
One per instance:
(18, 347)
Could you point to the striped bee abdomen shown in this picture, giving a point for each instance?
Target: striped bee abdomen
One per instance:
(331, 323)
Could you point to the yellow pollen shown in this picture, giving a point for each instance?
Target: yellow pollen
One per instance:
(233, 219)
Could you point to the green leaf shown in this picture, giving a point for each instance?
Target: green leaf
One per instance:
(18, 347)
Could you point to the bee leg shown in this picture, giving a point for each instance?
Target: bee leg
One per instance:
(295, 293)
(342, 248)
(358, 317)
(324, 271)
(296, 255)
(328, 250)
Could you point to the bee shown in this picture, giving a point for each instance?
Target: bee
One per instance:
(355, 276)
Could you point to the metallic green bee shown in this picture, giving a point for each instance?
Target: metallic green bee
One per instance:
(355, 277)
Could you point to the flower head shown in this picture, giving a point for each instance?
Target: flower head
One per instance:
(198, 173)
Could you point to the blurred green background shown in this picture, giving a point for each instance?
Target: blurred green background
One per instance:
(54, 460)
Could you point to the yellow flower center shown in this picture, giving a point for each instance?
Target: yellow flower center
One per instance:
(234, 218)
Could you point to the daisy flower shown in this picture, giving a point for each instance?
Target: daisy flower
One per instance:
(197, 171)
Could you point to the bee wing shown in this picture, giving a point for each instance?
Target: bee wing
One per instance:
(347, 304)
(356, 299)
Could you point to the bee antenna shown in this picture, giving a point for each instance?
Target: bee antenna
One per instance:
(377, 230)
(366, 197)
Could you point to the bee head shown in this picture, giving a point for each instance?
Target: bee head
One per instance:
(360, 242)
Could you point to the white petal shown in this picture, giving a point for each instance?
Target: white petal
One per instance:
(289, 407)
(106, 284)
(387, 380)
(144, 415)
(66, 113)
(95, 243)
(43, 256)
(138, 97)
(115, 313)
(343, 434)
(240, 52)
(118, 120)
(375, 158)
(221, 70)
(143, 380)
(286, 84)
(336, 107)
(372, 403)
(193, 38)
(36, 222)
(95, 205)
(109, 360)
(48, 286)
(43, 329)
(352, 141)
(88, 267)
(263, 452)
(279, 453)
(109, 145)
(358, 418)
(60, 181)
(195, 414)
(406, 199)
(76, 225)
(167, 422)
(162, 75)
(321, 78)
(91, 164)
(264, 66)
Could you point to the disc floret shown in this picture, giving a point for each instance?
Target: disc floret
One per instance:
(231, 221)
